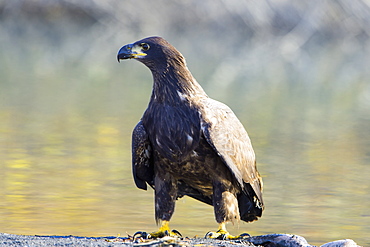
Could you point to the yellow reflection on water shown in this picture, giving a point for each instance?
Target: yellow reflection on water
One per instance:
(65, 175)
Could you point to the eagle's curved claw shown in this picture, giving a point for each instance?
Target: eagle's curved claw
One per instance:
(141, 234)
(244, 235)
(217, 235)
(210, 234)
(159, 234)
(224, 235)
(176, 233)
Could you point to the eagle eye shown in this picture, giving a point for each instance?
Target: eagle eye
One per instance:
(145, 46)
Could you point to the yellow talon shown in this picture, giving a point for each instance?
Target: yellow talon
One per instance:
(163, 231)
(223, 234)
(165, 226)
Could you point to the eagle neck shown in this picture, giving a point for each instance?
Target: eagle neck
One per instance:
(174, 83)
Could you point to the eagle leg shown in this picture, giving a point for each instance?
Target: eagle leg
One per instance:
(225, 203)
(226, 208)
(223, 234)
(165, 197)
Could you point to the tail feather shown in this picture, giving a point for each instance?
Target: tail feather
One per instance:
(250, 208)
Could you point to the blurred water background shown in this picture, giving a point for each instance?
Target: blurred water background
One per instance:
(295, 72)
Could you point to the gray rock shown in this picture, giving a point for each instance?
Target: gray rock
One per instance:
(271, 240)
(341, 243)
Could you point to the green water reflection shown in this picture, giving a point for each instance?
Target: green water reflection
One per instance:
(70, 173)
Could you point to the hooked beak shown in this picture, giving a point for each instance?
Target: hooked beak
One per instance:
(130, 51)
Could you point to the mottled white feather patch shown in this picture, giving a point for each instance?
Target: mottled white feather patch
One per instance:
(189, 140)
(231, 207)
(181, 95)
(158, 142)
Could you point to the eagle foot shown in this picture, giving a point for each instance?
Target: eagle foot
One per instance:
(155, 235)
(225, 235)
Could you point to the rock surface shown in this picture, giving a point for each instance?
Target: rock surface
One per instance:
(271, 240)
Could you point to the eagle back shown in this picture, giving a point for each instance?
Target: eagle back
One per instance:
(174, 130)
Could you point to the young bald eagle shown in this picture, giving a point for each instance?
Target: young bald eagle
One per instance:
(189, 144)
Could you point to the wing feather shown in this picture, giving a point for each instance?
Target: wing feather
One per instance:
(225, 133)
(142, 165)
